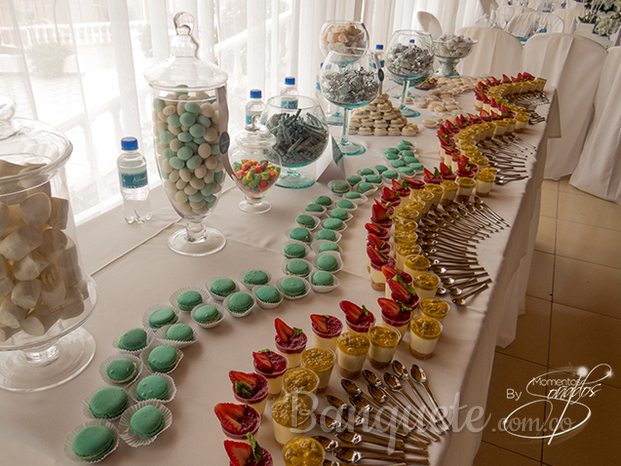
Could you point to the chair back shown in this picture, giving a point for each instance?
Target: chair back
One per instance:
(429, 23)
(572, 64)
(527, 24)
(569, 16)
(497, 53)
(599, 168)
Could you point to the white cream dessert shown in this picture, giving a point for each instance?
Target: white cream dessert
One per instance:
(465, 187)
(384, 342)
(351, 351)
(291, 412)
(425, 284)
(424, 334)
(484, 181)
(321, 361)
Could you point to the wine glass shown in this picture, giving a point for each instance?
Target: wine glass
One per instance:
(349, 79)
(301, 137)
(409, 61)
(341, 36)
(256, 167)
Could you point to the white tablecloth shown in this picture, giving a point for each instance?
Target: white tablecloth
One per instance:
(33, 427)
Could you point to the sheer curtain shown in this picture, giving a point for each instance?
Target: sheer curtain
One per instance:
(78, 64)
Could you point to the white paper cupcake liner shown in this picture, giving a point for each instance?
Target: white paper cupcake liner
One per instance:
(225, 304)
(293, 298)
(151, 310)
(306, 247)
(324, 289)
(337, 234)
(288, 232)
(68, 447)
(264, 304)
(334, 254)
(132, 438)
(310, 268)
(210, 324)
(317, 244)
(249, 286)
(172, 388)
(86, 405)
(349, 217)
(175, 295)
(160, 335)
(104, 365)
(210, 282)
(331, 183)
(144, 357)
(115, 342)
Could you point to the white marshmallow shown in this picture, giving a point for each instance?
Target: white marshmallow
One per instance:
(30, 266)
(11, 315)
(54, 243)
(6, 286)
(73, 305)
(60, 213)
(70, 265)
(26, 293)
(7, 332)
(19, 243)
(41, 320)
(4, 218)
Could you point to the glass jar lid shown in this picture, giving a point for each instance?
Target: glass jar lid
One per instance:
(184, 68)
(30, 151)
(255, 136)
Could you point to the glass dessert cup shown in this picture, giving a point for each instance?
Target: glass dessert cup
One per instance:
(321, 361)
(449, 57)
(42, 344)
(349, 79)
(351, 352)
(301, 137)
(290, 417)
(424, 334)
(256, 167)
(341, 36)
(303, 451)
(190, 119)
(384, 340)
(409, 61)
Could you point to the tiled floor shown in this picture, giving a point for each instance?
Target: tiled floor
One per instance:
(573, 320)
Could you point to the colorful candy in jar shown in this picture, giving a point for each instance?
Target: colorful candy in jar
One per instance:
(253, 176)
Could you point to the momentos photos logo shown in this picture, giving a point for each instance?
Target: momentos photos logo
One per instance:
(565, 393)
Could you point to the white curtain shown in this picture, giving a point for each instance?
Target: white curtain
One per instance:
(78, 64)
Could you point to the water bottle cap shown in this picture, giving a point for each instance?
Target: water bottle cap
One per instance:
(289, 80)
(379, 47)
(129, 143)
(255, 93)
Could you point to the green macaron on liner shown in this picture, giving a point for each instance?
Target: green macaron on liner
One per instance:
(268, 294)
(327, 262)
(133, 339)
(354, 179)
(340, 187)
(91, 441)
(162, 316)
(207, 315)
(328, 246)
(163, 358)
(294, 251)
(180, 332)
(335, 224)
(327, 235)
(153, 387)
(380, 168)
(306, 221)
(325, 201)
(240, 302)
(390, 174)
(300, 234)
(147, 421)
(107, 403)
(365, 187)
(222, 287)
(314, 208)
(366, 171)
(188, 299)
(353, 195)
(345, 204)
(255, 277)
(121, 370)
(297, 267)
(322, 278)
(292, 287)
(143, 422)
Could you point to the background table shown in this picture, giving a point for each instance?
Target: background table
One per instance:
(134, 270)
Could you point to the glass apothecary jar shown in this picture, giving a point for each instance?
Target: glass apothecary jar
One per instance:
(190, 119)
(45, 295)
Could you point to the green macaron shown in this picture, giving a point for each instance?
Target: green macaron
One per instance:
(327, 262)
(108, 403)
(147, 421)
(268, 294)
(341, 214)
(329, 246)
(333, 224)
(133, 340)
(188, 300)
(293, 286)
(122, 370)
(240, 302)
(297, 267)
(256, 277)
(324, 201)
(93, 442)
(180, 332)
(163, 358)
(207, 314)
(152, 387)
(300, 234)
(327, 235)
(161, 317)
(345, 204)
(223, 287)
(323, 278)
(294, 251)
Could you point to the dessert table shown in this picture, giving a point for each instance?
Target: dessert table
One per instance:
(134, 269)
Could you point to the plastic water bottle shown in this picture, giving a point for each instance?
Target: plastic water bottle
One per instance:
(255, 105)
(379, 53)
(289, 94)
(132, 168)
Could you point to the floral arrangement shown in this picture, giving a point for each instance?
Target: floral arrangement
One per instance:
(604, 14)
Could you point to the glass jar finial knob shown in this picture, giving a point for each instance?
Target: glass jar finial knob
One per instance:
(184, 23)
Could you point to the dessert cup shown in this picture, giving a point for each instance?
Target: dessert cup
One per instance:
(351, 352)
(321, 361)
(384, 343)
(424, 334)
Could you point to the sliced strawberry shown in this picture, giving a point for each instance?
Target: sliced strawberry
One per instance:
(396, 186)
(401, 292)
(375, 241)
(445, 170)
(373, 228)
(376, 257)
(244, 384)
(378, 214)
(389, 195)
(283, 330)
(389, 271)
(262, 362)
(389, 307)
(239, 452)
(353, 312)
(230, 416)
(428, 174)
(320, 322)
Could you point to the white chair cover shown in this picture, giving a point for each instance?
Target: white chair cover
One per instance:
(497, 53)
(599, 169)
(522, 25)
(572, 64)
(568, 15)
(429, 23)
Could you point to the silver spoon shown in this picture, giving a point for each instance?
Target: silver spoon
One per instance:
(346, 412)
(331, 445)
(336, 463)
(418, 374)
(401, 372)
(354, 456)
(461, 301)
(447, 268)
(355, 439)
(332, 424)
(384, 421)
(458, 291)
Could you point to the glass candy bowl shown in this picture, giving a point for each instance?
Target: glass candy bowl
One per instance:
(190, 118)
(409, 61)
(449, 50)
(46, 295)
(301, 137)
(255, 166)
(349, 79)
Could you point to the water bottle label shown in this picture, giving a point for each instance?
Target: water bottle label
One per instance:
(134, 180)
(293, 103)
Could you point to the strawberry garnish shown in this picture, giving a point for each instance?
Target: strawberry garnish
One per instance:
(390, 307)
(401, 291)
(379, 214)
(390, 272)
(353, 312)
(239, 452)
(320, 322)
(262, 361)
(230, 416)
(244, 384)
(388, 195)
(283, 330)
(375, 241)
(376, 257)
